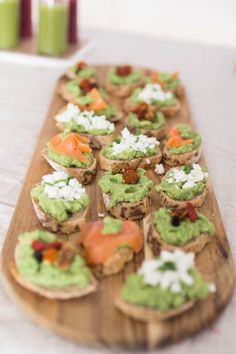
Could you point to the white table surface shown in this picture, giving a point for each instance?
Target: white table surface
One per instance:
(25, 93)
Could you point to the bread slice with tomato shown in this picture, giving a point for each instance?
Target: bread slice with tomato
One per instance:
(70, 153)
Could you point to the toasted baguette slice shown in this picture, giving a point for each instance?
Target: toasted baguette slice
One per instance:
(197, 201)
(150, 315)
(128, 211)
(64, 93)
(96, 142)
(83, 175)
(53, 293)
(157, 244)
(67, 227)
(167, 111)
(123, 90)
(183, 159)
(117, 166)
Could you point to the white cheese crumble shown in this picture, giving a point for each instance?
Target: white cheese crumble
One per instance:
(154, 92)
(88, 120)
(189, 180)
(59, 185)
(132, 142)
(169, 279)
(101, 215)
(159, 169)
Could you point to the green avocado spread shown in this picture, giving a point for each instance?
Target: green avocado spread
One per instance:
(134, 98)
(179, 190)
(73, 126)
(85, 73)
(117, 80)
(186, 133)
(186, 232)
(169, 82)
(158, 123)
(125, 193)
(45, 274)
(59, 209)
(137, 292)
(111, 226)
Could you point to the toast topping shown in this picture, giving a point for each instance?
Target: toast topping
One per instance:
(182, 140)
(111, 226)
(130, 176)
(86, 85)
(153, 92)
(124, 70)
(165, 80)
(145, 112)
(72, 145)
(73, 119)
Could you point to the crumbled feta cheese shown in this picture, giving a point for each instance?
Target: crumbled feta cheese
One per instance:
(133, 142)
(159, 169)
(148, 161)
(59, 185)
(88, 120)
(101, 215)
(171, 279)
(154, 92)
(212, 287)
(189, 180)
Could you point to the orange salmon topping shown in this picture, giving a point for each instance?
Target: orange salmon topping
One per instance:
(99, 247)
(98, 103)
(73, 145)
(175, 140)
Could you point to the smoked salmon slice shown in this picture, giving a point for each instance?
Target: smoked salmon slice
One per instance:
(99, 247)
(73, 145)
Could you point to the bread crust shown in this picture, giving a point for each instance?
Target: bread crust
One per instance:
(117, 166)
(72, 224)
(150, 315)
(96, 142)
(157, 244)
(50, 293)
(64, 93)
(83, 175)
(187, 158)
(128, 211)
(167, 111)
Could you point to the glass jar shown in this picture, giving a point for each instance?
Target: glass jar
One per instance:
(53, 27)
(9, 23)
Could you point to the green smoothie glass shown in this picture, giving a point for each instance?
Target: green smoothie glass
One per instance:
(53, 27)
(9, 23)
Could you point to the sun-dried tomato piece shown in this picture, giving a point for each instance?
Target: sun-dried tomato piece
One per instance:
(66, 256)
(38, 245)
(130, 176)
(144, 111)
(124, 70)
(191, 212)
(80, 65)
(50, 255)
(87, 85)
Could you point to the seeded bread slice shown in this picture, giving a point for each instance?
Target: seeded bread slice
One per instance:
(117, 166)
(123, 90)
(157, 244)
(187, 158)
(167, 111)
(50, 293)
(128, 211)
(65, 93)
(148, 314)
(95, 141)
(83, 175)
(72, 224)
(159, 134)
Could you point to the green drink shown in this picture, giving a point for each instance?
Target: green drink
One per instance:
(53, 27)
(9, 23)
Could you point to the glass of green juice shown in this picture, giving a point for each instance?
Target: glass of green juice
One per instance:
(9, 23)
(53, 27)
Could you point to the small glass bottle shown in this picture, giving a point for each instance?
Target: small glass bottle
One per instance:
(9, 23)
(53, 27)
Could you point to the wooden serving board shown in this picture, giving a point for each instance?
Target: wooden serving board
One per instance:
(93, 319)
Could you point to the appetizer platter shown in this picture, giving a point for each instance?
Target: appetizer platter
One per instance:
(117, 239)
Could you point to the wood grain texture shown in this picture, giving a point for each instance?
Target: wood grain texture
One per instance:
(94, 320)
